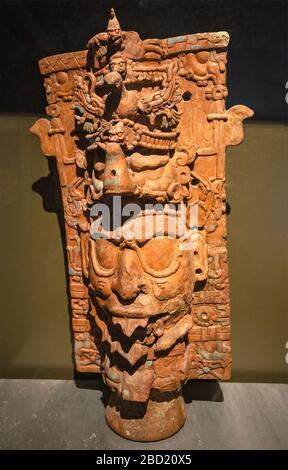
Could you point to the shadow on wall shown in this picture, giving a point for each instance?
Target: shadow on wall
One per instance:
(48, 187)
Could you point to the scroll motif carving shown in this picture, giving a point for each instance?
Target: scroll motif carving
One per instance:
(143, 122)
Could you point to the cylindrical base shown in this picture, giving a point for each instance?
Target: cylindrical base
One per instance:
(159, 418)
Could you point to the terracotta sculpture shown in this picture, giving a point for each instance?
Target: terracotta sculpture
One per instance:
(139, 130)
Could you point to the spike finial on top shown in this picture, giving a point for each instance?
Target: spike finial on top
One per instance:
(113, 22)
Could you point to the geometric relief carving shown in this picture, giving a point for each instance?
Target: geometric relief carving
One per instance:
(144, 122)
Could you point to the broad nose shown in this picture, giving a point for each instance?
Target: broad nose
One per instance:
(127, 279)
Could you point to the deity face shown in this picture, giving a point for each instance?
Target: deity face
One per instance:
(115, 35)
(136, 276)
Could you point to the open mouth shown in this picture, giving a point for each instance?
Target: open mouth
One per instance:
(143, 306)
(117, 40)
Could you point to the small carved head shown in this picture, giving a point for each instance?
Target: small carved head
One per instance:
(114, 29)
(113, 80)
(118, 63)
(116, 131)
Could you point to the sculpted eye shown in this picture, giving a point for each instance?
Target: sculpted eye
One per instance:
(106, 253)
(158, 253)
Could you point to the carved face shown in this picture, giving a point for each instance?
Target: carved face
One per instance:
(118, 64)
(115, 35)
(113, 80)
(138, 276)
(116, 132)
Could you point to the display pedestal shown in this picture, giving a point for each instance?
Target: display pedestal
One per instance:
(159, 418)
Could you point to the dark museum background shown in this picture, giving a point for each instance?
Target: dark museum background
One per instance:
(35, 339)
